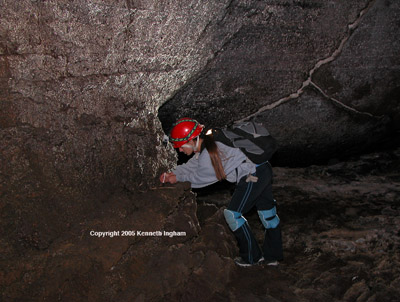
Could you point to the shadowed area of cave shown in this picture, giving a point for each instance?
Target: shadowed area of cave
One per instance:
(88, 90)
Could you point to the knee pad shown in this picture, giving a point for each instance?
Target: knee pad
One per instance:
(269, 218)
(234, 219)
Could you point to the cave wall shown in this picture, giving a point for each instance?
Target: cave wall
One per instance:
(85, 84)
(324, 77)
(81, 83)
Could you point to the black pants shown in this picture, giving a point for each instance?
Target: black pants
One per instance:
(258, 194)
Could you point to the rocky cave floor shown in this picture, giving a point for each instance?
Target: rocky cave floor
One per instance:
(340, 225)
(341, 229)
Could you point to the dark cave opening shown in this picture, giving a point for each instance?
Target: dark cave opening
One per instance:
(303, 155)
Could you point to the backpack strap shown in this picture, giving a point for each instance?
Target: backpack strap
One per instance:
(252, 128)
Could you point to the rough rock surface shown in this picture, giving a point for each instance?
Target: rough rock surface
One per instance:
(81, 86)
(347, 52)
(340, 226)
(340, 229)
(81, 83)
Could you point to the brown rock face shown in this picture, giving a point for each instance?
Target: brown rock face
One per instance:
(87, 89)
(81, 83)
(145, 245)
(323, 77)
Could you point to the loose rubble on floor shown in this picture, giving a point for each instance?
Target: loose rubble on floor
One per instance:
(340, 226)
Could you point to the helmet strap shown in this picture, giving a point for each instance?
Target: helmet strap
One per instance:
(195, 147)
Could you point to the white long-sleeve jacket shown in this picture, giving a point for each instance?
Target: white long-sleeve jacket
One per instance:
(200, 172)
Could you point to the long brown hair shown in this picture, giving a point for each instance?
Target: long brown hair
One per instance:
(215, 156)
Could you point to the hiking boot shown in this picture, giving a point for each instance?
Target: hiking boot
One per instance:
(242, 263)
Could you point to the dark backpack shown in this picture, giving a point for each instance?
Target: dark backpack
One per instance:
(252, 138)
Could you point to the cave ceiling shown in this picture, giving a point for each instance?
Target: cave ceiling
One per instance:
(323, 77)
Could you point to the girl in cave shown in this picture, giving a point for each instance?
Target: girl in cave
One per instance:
(214, 161)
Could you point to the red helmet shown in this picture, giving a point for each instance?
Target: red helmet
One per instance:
(184, 130)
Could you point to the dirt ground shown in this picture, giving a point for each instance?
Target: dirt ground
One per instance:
(340, 227)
